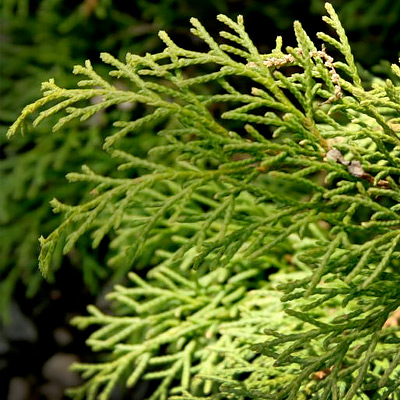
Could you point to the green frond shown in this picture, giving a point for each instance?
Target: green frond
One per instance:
(279, 161)
(203, 321)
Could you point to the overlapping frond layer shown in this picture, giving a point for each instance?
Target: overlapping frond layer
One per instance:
(266, 155)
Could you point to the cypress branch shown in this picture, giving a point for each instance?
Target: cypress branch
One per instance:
(298, 174)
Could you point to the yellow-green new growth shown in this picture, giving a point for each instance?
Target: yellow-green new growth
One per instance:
(280, 161)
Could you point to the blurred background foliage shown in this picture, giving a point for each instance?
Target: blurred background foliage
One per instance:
(40, 39)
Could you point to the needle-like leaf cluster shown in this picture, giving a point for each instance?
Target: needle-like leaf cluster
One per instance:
(283, 161)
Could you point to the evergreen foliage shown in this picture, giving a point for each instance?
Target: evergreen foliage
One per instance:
(33, 166)
(79, 29)
(283, 163)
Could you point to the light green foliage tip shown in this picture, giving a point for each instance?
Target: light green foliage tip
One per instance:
(269, 162)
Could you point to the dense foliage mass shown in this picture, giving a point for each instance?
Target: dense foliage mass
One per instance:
(35, 165)
(266, 214)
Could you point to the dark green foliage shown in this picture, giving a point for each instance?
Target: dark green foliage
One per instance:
(34, 168)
